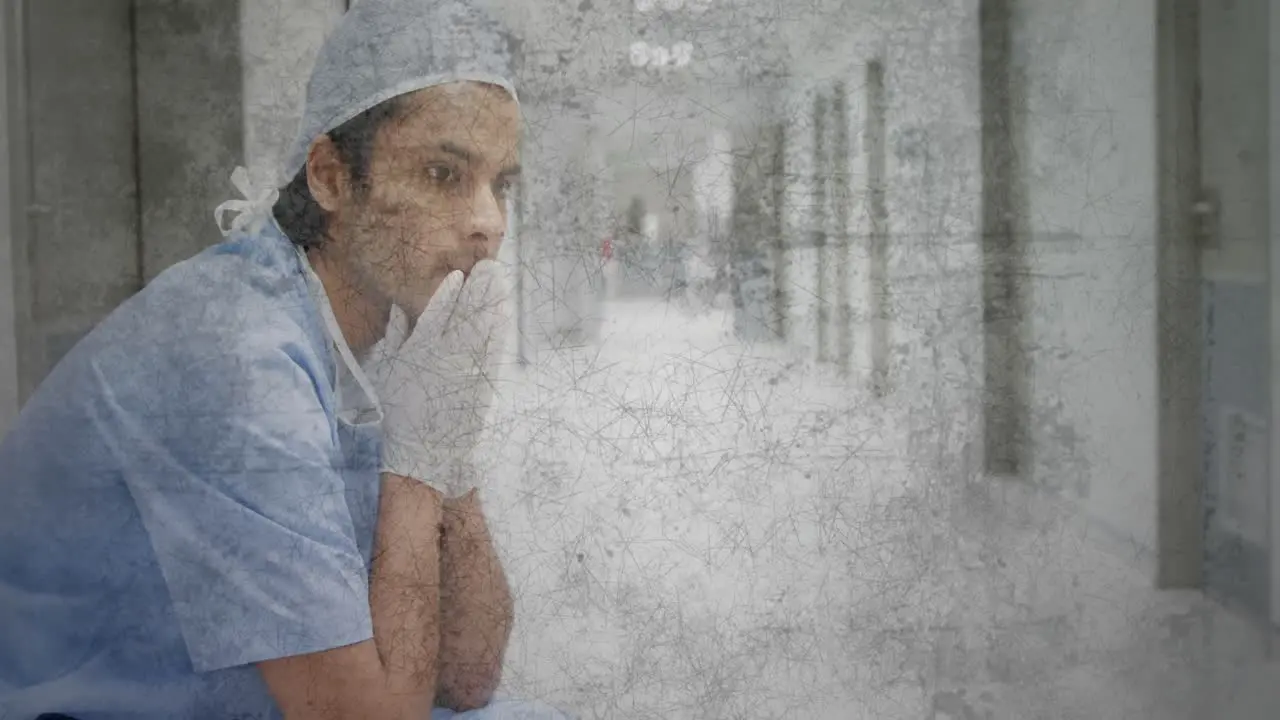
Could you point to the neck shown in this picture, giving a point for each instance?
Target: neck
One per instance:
(361, 313)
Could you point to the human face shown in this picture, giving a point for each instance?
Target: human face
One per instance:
(436, 194)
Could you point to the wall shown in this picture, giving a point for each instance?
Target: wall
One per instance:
(641, 272)
(8, 311)
(107, 204)
(932, 191)
(805, 216)
(712, 183)
(1273, 69)
(275, 73)
(80, 249)
(1089, 157)
(189, 124)
(165, 83)
(566, 208)
(757, 283)
(1090, 187)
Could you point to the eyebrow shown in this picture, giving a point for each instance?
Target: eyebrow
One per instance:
(468, 156)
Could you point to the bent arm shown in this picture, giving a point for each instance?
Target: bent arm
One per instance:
(240, 491)
(477, 610)
(392, 676)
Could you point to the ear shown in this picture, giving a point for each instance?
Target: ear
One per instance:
(326, 175)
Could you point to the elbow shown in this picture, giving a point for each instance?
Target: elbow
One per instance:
(470, 691)
(473, 699)
(471, 684)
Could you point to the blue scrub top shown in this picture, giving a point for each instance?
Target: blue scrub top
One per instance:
(183, 497)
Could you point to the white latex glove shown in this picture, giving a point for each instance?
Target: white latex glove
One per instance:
(436, 385)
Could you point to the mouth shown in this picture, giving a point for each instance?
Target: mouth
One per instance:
(466, 264)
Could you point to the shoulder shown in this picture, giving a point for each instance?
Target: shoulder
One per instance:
(238, 288)
(229, 324)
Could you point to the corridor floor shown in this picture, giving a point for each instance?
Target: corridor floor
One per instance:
(695, 529)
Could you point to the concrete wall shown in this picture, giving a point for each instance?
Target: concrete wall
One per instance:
(1273, 69)
(756, 264)
(1090, 158)
(279, 41)
(81, 228)
(663, 190)
(9, 393)
(217, 85)
(564, 218)
(189, 124)
(126, 111)
(932, 192)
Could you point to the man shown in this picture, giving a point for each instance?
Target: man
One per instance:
(211, 509)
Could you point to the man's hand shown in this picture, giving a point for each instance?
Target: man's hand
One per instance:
(476, 608)
(434, 378)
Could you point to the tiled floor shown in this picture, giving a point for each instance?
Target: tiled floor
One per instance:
(699, 531)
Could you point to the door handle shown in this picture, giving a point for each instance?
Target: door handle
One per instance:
(1205, 214)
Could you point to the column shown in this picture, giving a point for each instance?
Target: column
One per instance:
(190, 128)
(757, 262)
(10, 254)
(279, 41)
(1007, 393)
(563, 218)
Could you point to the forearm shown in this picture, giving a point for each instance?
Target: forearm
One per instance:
(477, 611)
(405, 588)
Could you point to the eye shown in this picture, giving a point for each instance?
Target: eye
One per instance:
(503, 186)
(442, 174)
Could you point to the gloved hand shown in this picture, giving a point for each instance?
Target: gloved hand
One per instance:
(435, 379)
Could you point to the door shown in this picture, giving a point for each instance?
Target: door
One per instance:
(1273, 65)
(74, 188)
(124, 121)
(755, 230)
(1233, 231)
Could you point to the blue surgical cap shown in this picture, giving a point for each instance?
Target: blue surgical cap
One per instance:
(382, 49)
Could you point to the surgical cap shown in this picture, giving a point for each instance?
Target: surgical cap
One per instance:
(382, 49)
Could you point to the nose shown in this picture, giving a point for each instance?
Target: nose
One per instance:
(487, 222)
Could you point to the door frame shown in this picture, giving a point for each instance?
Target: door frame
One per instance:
(1273, 72)
(14, 199)
(1181, 532)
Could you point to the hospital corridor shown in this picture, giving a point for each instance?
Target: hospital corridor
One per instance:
(701, 530)
(912, 360)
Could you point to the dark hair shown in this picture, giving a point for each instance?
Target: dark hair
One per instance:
(299, 215)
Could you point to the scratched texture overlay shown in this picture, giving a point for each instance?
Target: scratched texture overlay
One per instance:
(833, 391)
